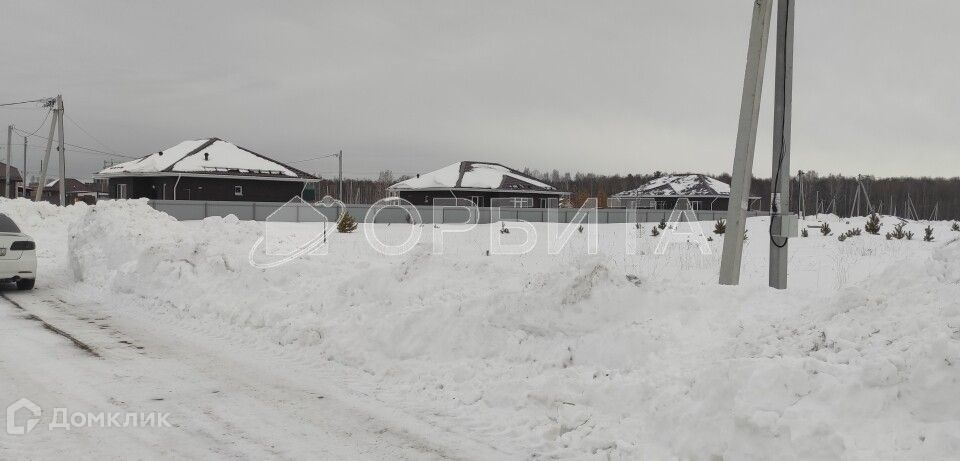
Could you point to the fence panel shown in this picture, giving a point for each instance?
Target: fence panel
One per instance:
(187, 210)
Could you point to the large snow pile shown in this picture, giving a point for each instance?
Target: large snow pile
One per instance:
(576, 355)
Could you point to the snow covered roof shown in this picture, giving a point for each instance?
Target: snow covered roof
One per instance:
(71, 185)
(680, 186)
(211, 156)
(474, 175)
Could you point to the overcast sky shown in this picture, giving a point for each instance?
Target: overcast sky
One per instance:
(411, 86)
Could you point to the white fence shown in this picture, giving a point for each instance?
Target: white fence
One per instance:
(186, 210)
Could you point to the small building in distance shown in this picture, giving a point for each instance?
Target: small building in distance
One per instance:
(703, 192)
(15, 178)
(483, 183)
(74, 190)
(205, 169)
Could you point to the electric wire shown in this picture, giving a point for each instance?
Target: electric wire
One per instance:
(90, 135)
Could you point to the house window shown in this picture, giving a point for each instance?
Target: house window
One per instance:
(238, 191)
(121, 191)
(523, 202)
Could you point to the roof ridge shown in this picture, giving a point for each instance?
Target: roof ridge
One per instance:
(514, 171)
(205, 145)
(463, 170)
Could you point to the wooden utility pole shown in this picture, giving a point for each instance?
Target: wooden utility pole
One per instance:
(817, 201)
(855, 207)
(746, 143)
(9, 146)
(340, 167)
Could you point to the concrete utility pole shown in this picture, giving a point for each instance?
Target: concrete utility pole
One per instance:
(63, 156)
(783, 225)
(782, 113)
(800, 198)
(24, 172)
(746, 142)
(9, 146)
(57, 118)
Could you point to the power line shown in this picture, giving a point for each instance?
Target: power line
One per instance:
(41, 149)
(90, 135)
(44, 122)
(315, 158)
(90, 149)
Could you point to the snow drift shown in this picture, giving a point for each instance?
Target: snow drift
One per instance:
(574, 355)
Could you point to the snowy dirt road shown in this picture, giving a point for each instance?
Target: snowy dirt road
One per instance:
(223, 400)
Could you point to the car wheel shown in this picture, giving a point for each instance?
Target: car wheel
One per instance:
(26, 284)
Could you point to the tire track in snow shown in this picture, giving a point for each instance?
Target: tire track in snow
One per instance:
(240, 378)
(29, 316)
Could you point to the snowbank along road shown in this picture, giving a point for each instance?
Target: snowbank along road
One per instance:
(355, 355)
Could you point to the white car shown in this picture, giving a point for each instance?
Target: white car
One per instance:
(18, 255)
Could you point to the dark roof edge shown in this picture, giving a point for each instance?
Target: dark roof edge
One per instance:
(302, 174)
(205, 145)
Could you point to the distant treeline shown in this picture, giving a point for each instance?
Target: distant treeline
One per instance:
(906, 197)
(357, 190)
(922, 198)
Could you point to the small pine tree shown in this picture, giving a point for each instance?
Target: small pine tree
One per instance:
(804, 232)
(720, 227)
(347, 224)
(655, 231)
(955, 227)
(873, 225)
(842, 237)
(889, 236)
(825, 229)
(745, 238)
(898, 232)
(580, 229)
(663, 224)
(928, 234)
(909, 235)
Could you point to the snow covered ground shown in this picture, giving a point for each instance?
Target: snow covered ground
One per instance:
(468, 355)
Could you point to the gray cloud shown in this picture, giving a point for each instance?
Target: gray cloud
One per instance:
(631, 86)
